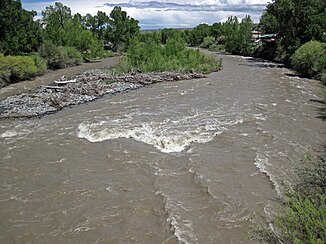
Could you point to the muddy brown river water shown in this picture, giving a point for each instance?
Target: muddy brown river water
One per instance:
(183, 162)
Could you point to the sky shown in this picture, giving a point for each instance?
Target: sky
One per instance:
(164, 14)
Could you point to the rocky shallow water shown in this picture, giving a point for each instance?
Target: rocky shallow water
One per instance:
(80, 89)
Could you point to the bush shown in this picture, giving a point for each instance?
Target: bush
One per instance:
(151, 56)
(208, 42)
(74, 57)
(217, 48)
(303, 220)
(310, 58)
(40, 64)
(58, 57)
(16, 68)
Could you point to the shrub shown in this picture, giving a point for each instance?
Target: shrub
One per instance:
(208, 42)
(40, 64)
(310, 58)
(322, 78)
(151, 56)
(303, 219)
(16, 68)
(217, 48)
(58, 57)
(74, 56)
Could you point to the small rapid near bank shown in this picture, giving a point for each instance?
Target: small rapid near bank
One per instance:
(191, 161)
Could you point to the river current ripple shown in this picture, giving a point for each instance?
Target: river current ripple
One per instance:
(181, 162)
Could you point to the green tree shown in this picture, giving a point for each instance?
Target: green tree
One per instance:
(244, 40)
(310, 58)
(216, 30)
(122, 28)
(82, 33)
(196, 36)
(238, 35)
(230, 30)
(269, 23)
(98, 24)
(55, 21)
(19, 33)
(168, 33)
(296, 22)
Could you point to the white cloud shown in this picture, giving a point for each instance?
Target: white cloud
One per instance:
(166, 13)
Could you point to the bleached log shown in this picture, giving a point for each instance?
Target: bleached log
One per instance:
(63, 82)
(53, 87)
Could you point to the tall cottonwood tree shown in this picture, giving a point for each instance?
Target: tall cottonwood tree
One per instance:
(237, 35)
(122, 27)
(55, 21)
(98, 24)
(64, 29)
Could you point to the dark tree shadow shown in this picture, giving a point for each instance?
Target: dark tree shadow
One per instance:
(321, 111)
(262, 63)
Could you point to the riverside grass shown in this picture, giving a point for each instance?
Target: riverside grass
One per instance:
(150, 56)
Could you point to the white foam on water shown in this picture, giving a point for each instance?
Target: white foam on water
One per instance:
(263, 165)
(9, 133)
(259, 117)
(182, 228)
(163, 139)
(168, 136)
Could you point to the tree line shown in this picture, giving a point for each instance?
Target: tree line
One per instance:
(21, 34)
(59, 38)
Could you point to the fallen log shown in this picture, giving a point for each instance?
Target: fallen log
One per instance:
(64, 82)
(53, 87)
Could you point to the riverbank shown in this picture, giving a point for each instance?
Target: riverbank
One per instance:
(50, 76)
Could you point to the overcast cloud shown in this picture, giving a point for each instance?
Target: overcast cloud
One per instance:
(166, 13)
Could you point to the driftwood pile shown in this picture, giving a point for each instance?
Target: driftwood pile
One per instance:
(81, 89)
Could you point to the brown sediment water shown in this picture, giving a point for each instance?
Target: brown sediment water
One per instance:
(183, 162)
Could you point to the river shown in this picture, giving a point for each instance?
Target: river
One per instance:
(181, 162)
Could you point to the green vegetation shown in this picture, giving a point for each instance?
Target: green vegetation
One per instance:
(58, 57)
(310, 58)
(122, 28)
(303, 219)
(59, 39)
(289, 23)
(63, 39)
(149, 56)
(232, 36)
(296, 22)
(196, 36)
(16, 68)
(19, 33)
(238, 35)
